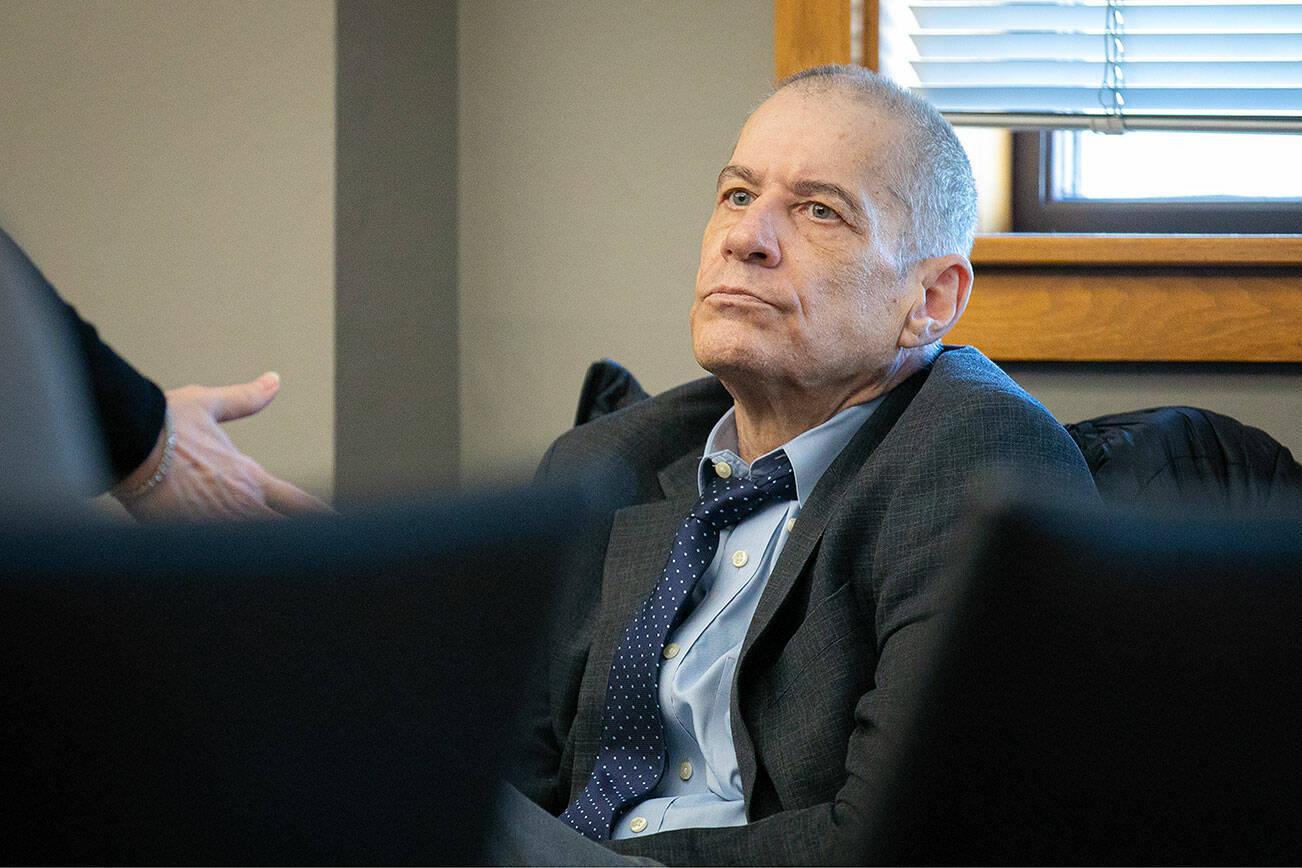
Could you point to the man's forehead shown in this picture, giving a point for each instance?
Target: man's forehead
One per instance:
(819, 135)
(834, 103)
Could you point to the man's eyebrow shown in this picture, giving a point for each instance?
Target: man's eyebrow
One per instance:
(858, 215)
(745, 175)
(827, 188)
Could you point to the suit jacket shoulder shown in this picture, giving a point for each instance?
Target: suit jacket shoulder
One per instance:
(621, 453)
(970, 414)
(969, 427)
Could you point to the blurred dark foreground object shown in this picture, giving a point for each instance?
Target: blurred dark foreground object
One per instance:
(50, 451)
(325, 691)
(1109, 689)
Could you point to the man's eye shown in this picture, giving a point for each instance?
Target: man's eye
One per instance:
(740, 198)
(819, 211)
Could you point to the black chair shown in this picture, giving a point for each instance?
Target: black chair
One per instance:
(1111, 685)
(1177, 457)
(607, 386)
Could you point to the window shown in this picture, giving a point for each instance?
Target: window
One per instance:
(1111, 65)
(1156, 165)
(1153, 69)
(1173, 182)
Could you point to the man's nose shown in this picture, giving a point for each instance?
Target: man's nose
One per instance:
(754, 237)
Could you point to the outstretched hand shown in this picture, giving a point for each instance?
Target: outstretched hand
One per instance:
(209, 478)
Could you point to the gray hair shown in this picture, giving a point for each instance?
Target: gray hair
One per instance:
(931, 173)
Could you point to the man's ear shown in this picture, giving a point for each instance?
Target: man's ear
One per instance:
(944, 284)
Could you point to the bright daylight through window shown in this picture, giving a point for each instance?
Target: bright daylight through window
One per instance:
(1189, 166)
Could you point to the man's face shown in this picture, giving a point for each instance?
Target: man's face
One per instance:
(797, 287)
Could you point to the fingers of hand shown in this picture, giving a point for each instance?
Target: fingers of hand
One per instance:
(287, 500)
(231, 485)
(243, 399)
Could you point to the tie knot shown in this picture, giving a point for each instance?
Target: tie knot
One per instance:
(729, 501)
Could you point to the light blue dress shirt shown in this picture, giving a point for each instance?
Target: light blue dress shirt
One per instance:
(701, 785)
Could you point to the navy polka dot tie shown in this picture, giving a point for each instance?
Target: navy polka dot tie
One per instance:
(632, 754)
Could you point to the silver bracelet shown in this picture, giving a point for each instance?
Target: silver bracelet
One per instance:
(169, 451)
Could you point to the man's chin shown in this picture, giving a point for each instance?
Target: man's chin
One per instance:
(731, 360)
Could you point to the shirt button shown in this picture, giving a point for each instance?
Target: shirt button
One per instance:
(723, 468)
(637, 824)
(670, 652)
(791, 525)
(685, 771)
(739, 558)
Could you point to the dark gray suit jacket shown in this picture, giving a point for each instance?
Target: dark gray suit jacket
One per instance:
(835, 639)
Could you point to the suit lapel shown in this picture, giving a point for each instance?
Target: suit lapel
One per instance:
(804, 537)
(639, 547)
(823, 502)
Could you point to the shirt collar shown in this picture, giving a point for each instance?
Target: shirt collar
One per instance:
(810, 453)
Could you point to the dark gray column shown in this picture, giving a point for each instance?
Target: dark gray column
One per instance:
(397, 416)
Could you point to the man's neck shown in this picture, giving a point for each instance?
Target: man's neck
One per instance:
(764, 426)
(768, 416)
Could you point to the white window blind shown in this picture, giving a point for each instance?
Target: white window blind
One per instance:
(1101, 64)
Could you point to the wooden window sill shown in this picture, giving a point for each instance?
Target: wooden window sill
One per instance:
(1150, 298)
(1029, 248)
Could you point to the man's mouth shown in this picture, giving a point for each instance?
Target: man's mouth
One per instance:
(735, 295)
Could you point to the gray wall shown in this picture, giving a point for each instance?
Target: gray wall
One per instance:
(591, 135)
(396, 425)
(1266, 396)
(170, 166)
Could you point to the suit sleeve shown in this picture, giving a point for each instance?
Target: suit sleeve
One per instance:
(911, 528)
(128, 407)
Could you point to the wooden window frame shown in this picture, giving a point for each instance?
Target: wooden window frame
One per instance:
(1132, 298)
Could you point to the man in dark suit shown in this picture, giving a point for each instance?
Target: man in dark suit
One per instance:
(844, 439)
